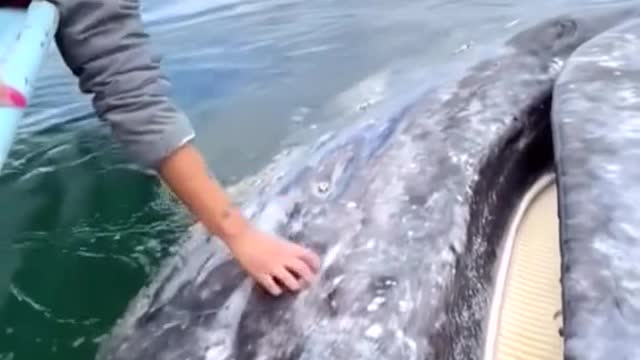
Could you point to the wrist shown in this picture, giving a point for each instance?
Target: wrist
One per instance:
(186, 174)
(230, 225)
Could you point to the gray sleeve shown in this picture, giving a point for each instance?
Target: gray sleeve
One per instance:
(104, 44)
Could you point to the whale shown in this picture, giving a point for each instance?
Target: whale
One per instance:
(407, 208)
(596, 134)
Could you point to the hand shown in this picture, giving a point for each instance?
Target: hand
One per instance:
(11, 97)
(267, 259)
(270, 260)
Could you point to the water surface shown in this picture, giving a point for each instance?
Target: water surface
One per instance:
(82, 229)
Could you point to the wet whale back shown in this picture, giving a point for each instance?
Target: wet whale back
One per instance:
(406, 210)
(596, 123)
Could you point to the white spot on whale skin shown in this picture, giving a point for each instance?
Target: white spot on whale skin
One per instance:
(404, 306)
(331, 255)
(556, 65)
(216, 352)
(611, 63)
(375, 303)
(374, 331)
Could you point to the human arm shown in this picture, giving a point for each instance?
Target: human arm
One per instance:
(265, 257)
(104, 45)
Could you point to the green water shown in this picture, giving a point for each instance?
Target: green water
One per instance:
(81, 231)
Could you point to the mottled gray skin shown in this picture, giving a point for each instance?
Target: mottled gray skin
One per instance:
(406, 211)
(596, 124)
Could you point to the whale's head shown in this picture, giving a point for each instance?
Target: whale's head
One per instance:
(560, 36)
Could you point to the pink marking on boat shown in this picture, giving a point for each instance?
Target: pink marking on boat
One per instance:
(17, 98)
(11, 97)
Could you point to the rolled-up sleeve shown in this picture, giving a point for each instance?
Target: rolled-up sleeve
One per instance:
(104, 44)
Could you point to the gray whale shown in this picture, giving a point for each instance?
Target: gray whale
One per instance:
(407, 212)
(596, 133)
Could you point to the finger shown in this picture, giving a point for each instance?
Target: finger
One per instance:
(310, 258)
(287, 278)
(301, 269)
(270, 285)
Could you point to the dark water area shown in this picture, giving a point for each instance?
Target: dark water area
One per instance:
(82, 229)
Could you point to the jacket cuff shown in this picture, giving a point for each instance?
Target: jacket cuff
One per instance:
(151, 148)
